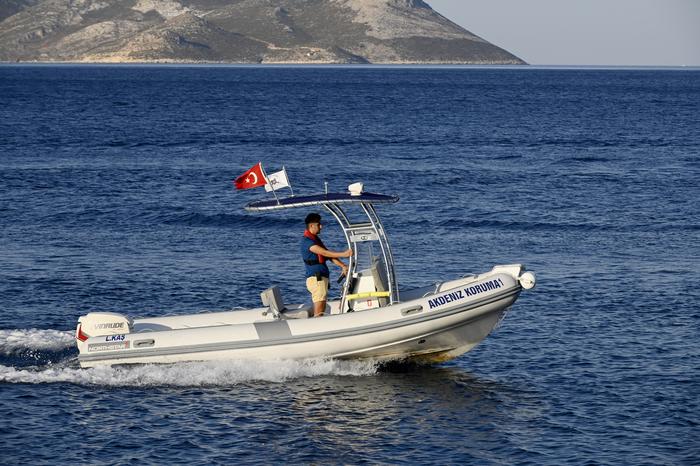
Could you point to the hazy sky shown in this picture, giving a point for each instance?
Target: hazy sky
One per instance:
(585, 32)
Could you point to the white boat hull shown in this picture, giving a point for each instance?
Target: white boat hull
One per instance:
(431, 326)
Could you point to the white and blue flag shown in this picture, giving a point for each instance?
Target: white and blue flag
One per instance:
(277, 181)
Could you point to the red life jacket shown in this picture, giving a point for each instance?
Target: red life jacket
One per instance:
(317, 241)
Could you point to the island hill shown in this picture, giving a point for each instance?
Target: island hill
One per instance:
(238, 31)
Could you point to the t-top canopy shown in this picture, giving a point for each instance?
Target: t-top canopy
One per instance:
(320, 199)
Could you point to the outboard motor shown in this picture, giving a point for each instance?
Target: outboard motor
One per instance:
(102, 323)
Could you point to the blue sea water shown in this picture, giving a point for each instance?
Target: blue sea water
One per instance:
(116, 194)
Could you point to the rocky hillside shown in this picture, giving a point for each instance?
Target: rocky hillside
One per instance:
(238, 31)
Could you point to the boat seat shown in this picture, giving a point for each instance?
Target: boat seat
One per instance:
(300, 312)
(272, 298)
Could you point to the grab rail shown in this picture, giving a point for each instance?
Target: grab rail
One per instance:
(369, 294)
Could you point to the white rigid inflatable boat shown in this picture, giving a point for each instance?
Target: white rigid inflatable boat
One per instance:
(372, 318)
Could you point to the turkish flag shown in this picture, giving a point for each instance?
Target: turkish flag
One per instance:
(253, 178)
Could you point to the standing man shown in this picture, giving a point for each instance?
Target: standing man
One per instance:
(315, 255)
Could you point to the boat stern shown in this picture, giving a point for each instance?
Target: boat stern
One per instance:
(111, 325)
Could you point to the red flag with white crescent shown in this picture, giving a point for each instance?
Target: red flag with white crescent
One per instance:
(253, 178)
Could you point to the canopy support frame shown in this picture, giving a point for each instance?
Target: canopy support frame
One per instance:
(353, 232)
(377, 228)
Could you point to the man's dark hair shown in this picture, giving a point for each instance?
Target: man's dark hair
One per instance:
(313, 217)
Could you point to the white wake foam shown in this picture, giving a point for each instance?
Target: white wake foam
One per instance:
(14, 341)
(219, 373)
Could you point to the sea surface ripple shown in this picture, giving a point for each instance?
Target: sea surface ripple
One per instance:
(116, 195)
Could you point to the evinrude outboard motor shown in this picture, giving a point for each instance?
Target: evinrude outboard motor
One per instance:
(102, 323)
